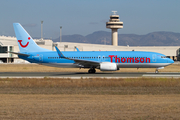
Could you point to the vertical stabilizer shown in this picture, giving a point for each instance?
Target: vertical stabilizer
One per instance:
(25, 42)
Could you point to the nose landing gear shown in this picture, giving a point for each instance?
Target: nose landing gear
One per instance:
(156, 71)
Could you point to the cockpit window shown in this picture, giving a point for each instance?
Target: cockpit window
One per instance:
(163, 56)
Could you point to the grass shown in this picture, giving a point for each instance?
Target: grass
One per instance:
(87, 99)
(92, 86)
(89, 82)
(90, 107)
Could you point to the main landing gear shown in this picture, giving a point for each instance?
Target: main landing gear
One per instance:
(92, 70)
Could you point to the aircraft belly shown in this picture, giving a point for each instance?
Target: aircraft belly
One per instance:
(141, 65)
(120, 65)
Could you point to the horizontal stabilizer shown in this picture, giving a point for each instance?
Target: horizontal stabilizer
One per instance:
(22, 54)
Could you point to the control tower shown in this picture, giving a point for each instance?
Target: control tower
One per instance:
(114, 24)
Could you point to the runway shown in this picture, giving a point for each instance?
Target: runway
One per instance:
(77, 75)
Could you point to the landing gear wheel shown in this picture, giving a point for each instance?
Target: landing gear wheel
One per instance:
(91, 71)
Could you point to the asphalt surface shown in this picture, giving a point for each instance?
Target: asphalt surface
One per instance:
(86, 75)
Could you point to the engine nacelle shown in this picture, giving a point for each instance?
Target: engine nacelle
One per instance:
(107, 66)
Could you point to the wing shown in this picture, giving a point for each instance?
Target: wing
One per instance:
(80, 62)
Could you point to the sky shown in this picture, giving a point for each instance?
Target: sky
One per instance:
(87, 16)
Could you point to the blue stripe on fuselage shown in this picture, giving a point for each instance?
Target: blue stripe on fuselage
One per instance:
(100, 56)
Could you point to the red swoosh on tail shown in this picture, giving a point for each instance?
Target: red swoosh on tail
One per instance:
(22, 44)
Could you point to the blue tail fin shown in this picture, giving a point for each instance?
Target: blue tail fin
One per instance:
(25, 42)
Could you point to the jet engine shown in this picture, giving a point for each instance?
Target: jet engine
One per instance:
(107, 66)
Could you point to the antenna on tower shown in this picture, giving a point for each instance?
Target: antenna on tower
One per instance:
(114, 12)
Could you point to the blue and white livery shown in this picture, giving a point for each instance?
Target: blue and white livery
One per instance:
(103, 60)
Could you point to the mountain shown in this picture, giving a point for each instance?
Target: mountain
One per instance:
(102, 37)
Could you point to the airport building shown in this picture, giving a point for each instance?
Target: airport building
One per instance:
(10, 44)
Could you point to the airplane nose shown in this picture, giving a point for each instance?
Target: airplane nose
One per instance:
(171, 61)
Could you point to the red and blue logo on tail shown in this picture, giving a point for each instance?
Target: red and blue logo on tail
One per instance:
(25, 41)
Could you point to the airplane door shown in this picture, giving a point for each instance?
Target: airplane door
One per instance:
(154, 57)
(40, 58)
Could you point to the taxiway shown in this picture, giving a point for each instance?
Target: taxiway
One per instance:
(86, 75)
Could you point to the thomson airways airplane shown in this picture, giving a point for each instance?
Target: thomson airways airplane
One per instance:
(103, 60)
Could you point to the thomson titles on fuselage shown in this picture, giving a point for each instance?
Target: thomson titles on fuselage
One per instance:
(129, 59)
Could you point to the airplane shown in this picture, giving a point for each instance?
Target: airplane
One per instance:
(92, 60)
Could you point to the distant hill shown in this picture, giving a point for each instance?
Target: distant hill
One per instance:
(102, 37)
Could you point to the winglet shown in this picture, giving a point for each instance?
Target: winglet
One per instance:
(59, 53)
(77, 49)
